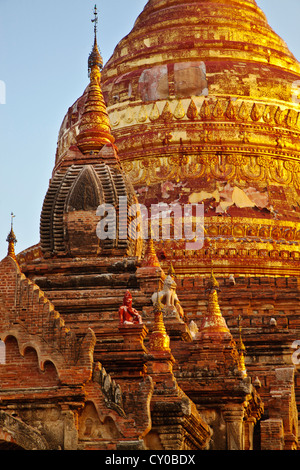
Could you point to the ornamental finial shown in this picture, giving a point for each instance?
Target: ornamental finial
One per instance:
(11, 239)
(212, 284)
(171, 271)
(94, 126)
(159, 339)
(95, 21)
(214, 320)
(95, 58)
(12, 220)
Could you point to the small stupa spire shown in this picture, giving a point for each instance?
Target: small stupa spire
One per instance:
(151, 258)
(159, 339)
(241, 349)
(214, 321)
(11, 239)
(94, 127)
(171, 271)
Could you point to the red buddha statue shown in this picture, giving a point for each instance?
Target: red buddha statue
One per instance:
(127, 314)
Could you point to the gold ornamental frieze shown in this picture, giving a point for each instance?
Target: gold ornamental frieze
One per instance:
(239, 167)
(266, 232)
(224, 120)
(243, 255)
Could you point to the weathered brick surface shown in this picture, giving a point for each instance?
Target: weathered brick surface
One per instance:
(196, 369)
(48, 377)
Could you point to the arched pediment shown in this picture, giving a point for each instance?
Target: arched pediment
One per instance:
(86, 192)
(69, 216)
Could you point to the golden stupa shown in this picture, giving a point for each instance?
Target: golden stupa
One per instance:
(203, 102)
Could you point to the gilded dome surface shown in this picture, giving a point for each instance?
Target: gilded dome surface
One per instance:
(186, 32)
(203, 102)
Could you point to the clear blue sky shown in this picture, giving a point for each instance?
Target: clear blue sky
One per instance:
(44, 46)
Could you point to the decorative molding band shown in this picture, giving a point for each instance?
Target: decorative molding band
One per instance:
(197, 109)
(234, 166)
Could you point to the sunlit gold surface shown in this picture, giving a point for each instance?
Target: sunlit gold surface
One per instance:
(203, 94)
(159, 340)
(150, 258)
(242, 130)
(94, 127)
(213, 321)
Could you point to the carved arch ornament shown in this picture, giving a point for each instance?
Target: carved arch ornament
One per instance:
(86, 191)
(30, 343)
(81, 187)
(15, 432)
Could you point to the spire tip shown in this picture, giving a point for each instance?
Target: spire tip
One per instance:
(11, 239)
(95, 58)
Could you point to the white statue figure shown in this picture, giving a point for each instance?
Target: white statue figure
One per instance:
(168, 297)
(296, 355)
(193, 329)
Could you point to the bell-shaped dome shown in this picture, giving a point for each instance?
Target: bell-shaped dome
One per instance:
(203, 101)
(202, 97)
(225, 36)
